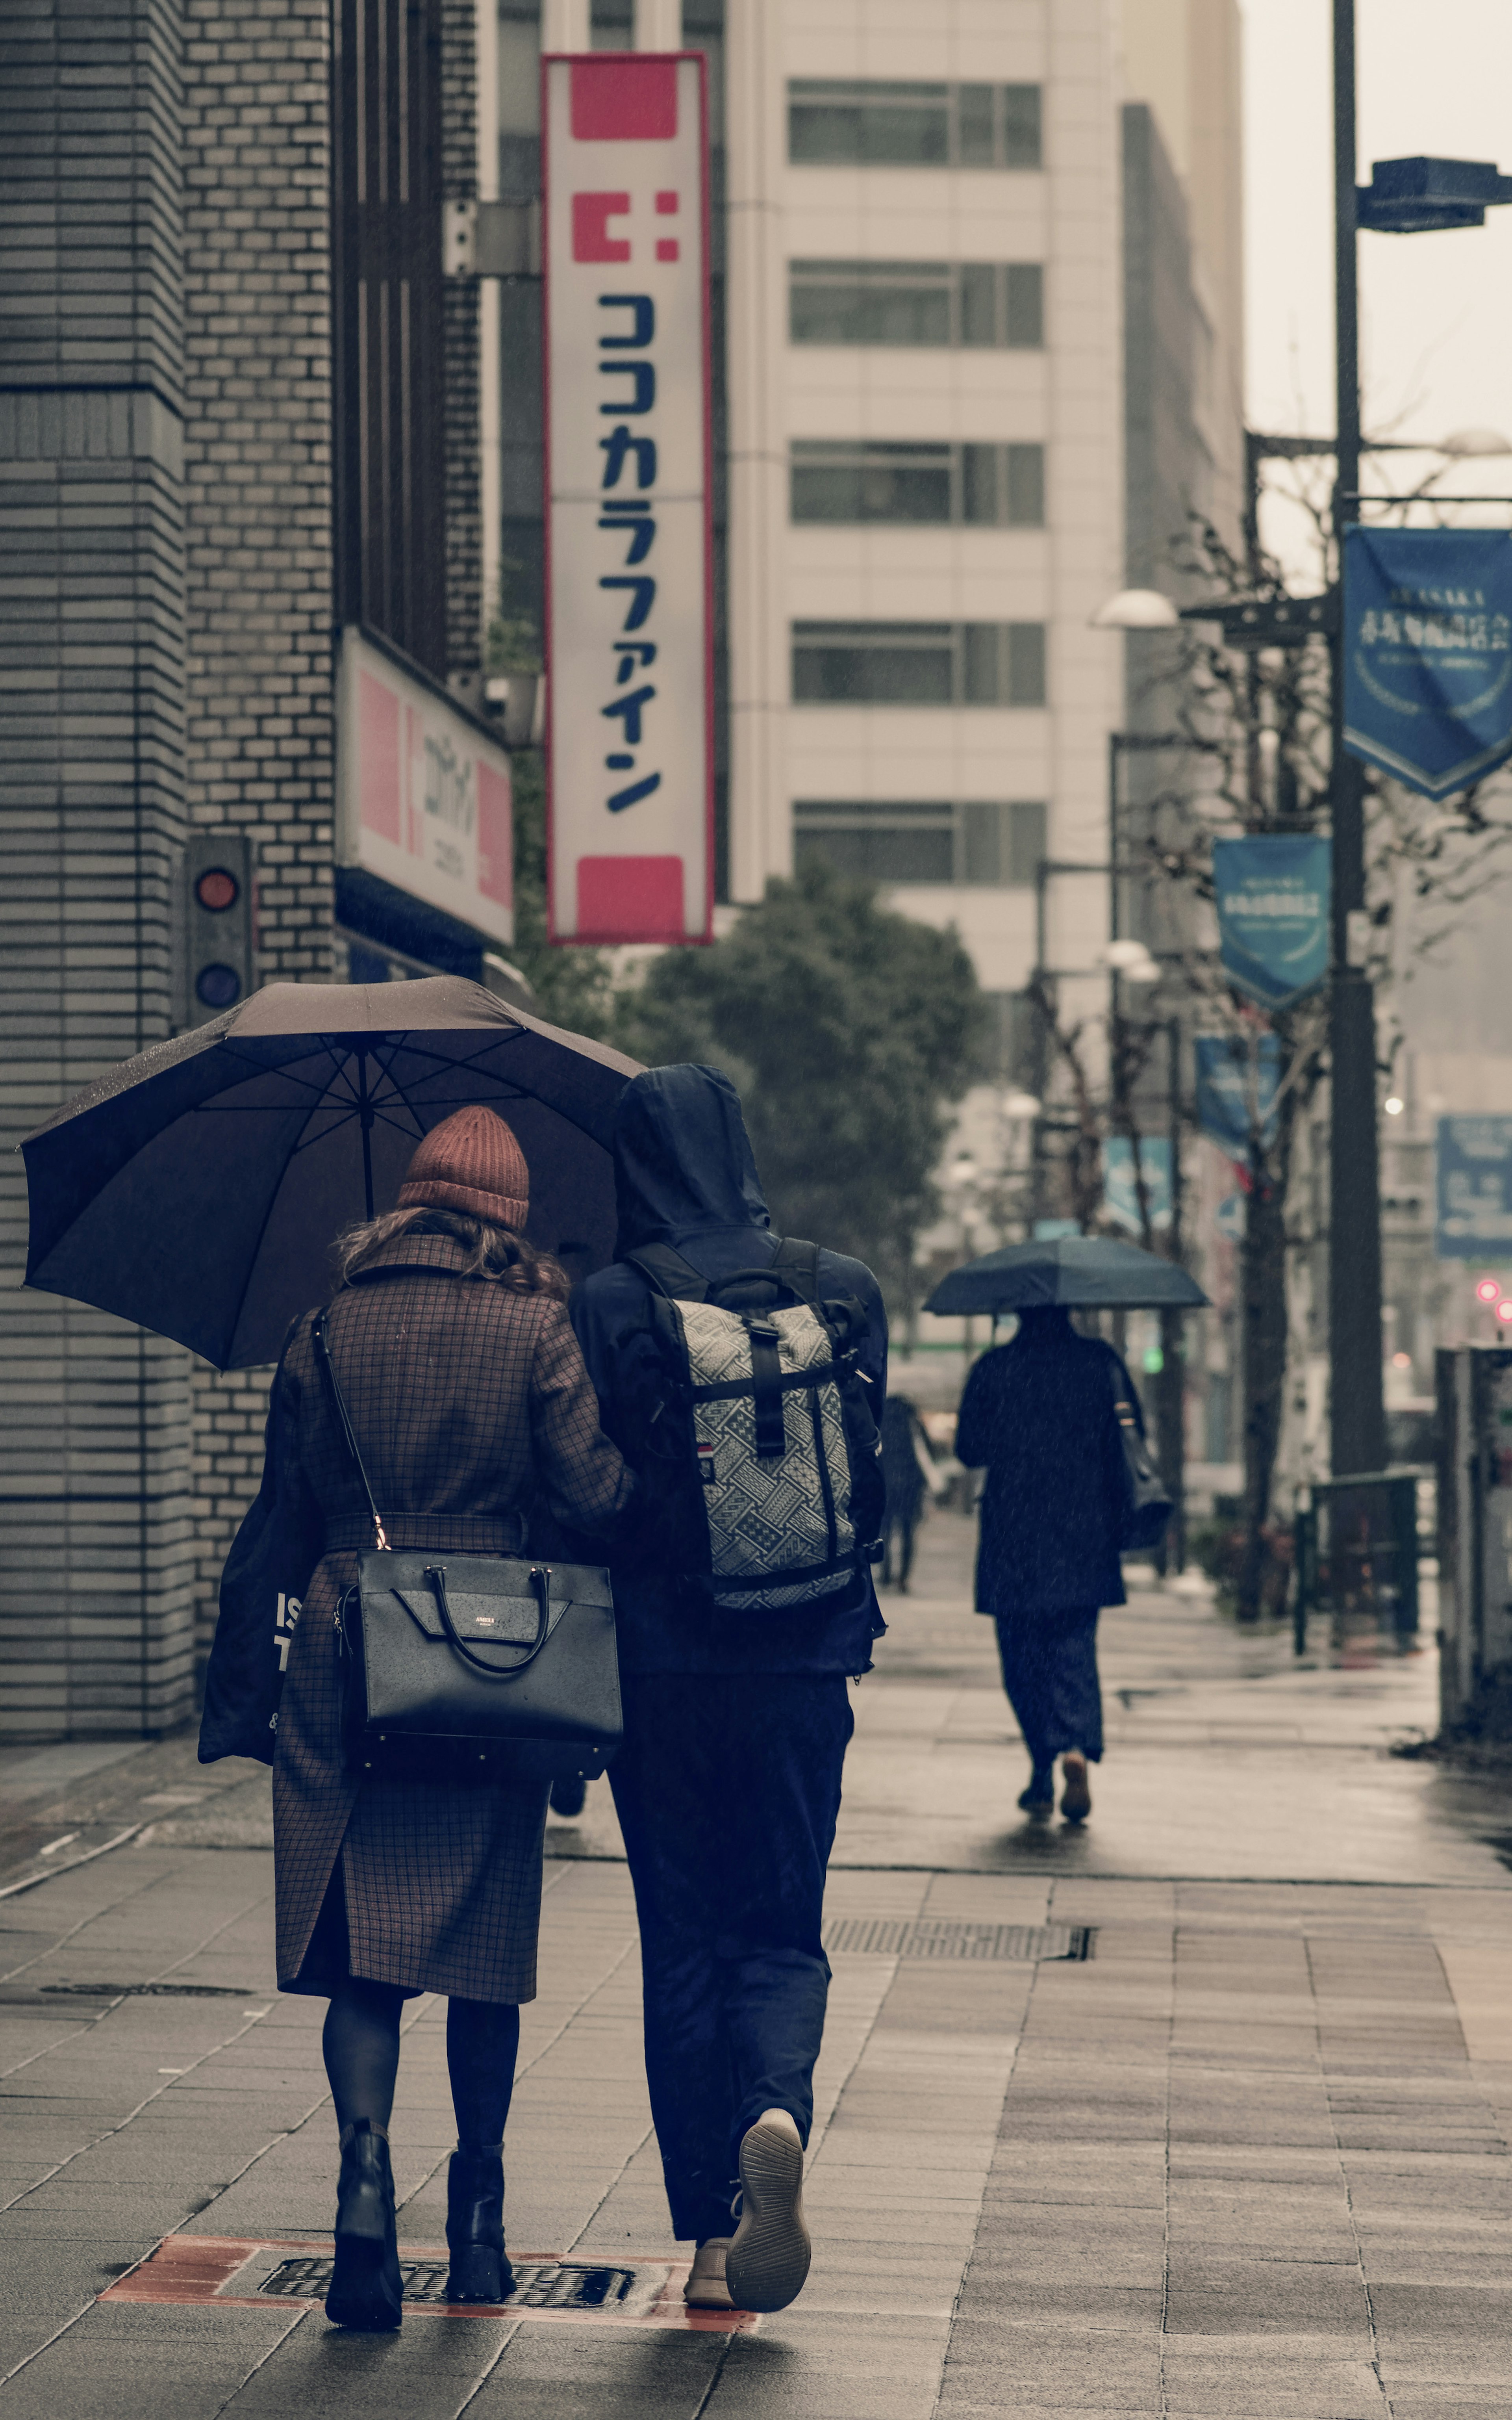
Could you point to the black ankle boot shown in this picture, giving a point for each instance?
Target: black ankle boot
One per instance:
(475, 2227)
(366, 2289)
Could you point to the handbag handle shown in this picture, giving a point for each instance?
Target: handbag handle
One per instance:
(541, 1573)
(317, 1338)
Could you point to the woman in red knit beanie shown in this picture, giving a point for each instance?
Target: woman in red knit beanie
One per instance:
(467, 1397)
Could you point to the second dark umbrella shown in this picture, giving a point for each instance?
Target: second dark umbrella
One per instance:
(1073, 1272)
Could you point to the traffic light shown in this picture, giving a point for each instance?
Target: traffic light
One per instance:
(217, 925)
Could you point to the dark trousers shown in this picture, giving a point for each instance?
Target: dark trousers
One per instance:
(900, 1529)
(1049, 1672)
(727, 1791)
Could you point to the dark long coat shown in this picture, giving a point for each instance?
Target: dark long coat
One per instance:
(467, 1397)
(1039, 1414)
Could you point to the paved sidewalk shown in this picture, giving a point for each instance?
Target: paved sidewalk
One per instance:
(1248, 2157)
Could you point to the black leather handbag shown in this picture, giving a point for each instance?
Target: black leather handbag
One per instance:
(472, 1667)
(1146, 1501)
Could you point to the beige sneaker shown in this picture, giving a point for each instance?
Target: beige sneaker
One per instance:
(770, 2251)
(1077, 1794)
(706, 2290)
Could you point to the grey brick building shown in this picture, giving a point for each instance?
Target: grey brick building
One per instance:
(198, 215)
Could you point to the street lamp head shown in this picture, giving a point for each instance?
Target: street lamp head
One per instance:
(1132, 961)
(1135, 608)
(1475, 444)
(1021, 1105)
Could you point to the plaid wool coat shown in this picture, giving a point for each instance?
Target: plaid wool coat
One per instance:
(467, 1399)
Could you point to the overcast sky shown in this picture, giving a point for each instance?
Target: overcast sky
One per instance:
(1436, 310)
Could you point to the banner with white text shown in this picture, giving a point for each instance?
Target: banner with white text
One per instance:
(1273, 892)
(1428, 654)
(630, 625)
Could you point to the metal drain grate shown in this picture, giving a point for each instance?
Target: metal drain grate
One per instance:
(149, 1990)
(908, 1937)
(539, 2285)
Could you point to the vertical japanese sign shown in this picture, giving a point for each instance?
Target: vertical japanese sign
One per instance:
(629, 626)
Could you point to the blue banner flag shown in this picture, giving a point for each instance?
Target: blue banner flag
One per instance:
(1120, 1192)
(1238, 1080)
(1473, 1219)
(1427, 653)
(1272, 893)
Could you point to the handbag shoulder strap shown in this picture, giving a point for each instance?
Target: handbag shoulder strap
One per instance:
(322, 1354)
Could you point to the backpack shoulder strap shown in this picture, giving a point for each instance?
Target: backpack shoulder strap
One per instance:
(797, 1264)
(668, 1273)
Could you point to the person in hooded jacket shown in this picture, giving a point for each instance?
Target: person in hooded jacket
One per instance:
(1038, 1414)
(728, 1785)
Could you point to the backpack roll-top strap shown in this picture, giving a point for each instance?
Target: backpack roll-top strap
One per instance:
(766, 1390)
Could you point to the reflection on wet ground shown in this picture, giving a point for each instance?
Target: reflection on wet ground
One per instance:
(1228, 1755)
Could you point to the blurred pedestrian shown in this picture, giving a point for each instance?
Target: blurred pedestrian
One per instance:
(906, 1468)
(735, 1721)
(1038, 1414)
(465, 1390)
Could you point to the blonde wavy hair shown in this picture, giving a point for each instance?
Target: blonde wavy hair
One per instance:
(494, 1250)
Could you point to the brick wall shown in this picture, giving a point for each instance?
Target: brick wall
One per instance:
(95, 1555)
(258, 546)
(165, 620)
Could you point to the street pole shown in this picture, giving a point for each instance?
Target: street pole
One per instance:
(1357, 1423)
(1170, 1414)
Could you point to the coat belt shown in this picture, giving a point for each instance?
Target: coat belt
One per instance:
(457, 1534)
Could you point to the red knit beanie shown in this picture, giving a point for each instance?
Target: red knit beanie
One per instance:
(470, 1162)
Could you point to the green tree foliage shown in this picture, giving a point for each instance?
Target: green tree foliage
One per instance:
(849, 1032)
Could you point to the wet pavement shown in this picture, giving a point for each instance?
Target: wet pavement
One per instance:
(1248, 2156)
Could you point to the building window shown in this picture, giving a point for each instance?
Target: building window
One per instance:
(847, 123)
(936, 302)
(1014, 1045)
(918, 663)
(977, 840)
(996, 486)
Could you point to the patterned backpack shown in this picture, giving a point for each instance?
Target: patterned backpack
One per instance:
(761, 1453)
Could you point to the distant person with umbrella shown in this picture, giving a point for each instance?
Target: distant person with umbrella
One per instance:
(905, 1465)
(1041, 1415)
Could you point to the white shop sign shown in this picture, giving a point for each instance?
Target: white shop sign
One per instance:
(630, 698)
(423, 796)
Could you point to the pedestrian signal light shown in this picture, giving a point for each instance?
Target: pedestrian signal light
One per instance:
(218, 890)
(1489, 1290)
(217, 941)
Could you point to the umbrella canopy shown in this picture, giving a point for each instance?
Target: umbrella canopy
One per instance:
(1085, 1272)
(196, 1188)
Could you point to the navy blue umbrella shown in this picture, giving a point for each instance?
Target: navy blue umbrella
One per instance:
(1067, 1272)
(197, 1187)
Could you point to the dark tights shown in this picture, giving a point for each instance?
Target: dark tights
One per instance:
(360, 2043)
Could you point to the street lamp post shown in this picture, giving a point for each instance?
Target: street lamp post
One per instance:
(1357, 1418)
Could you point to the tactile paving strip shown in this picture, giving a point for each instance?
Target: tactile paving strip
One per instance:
(909, 1938)
(637, 2293)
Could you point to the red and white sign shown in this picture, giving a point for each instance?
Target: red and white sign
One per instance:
(630, 694)
(423, 796)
